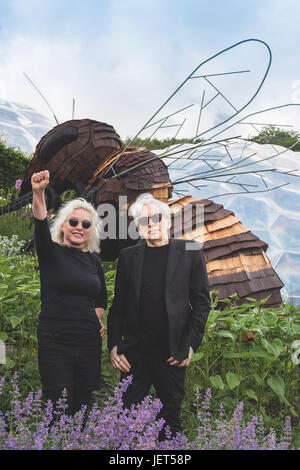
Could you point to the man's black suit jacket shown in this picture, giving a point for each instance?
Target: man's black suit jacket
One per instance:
(187, 298)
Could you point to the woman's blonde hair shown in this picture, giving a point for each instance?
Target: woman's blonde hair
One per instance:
(66, 209)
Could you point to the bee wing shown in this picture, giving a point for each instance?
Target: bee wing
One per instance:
(237, 166)
(212, 95)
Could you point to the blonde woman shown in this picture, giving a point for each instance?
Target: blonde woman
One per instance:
(73, 298)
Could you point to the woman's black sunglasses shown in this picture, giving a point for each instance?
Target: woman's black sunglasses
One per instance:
(84, 223)
(156, 218)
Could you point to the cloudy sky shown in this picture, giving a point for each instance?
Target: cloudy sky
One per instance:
(120, 59)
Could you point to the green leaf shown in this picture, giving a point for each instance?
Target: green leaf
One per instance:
(213, 316)
(197, 356)
(274, 348)
(232, 380)
(269, 318)
(234, 355)
(257, 351)
(251, 394)
(197, 386)
(15, 321)
(293, 411)
(9, 299)
(217, 381)
(3, 336)
(262, 410)
(258, 379)
(277, 385)
(9, 363)
(226, 334)
(227, 319)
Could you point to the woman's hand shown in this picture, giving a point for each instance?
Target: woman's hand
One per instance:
(119, 362)
(40, 181)
(102, 329)
(100, 312)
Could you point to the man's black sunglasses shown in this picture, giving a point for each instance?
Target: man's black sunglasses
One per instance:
(156, 218)
(84, 223)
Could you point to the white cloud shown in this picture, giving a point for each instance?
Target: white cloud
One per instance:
(123, 70)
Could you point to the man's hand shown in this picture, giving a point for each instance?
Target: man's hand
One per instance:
(183, 363)
(119, 362)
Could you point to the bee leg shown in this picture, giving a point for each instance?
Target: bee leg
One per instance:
(79, 188)
(53, 201)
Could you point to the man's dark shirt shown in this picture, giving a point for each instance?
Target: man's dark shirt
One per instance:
(154, 326)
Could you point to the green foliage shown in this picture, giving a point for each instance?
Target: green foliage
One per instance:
(17, 223)
(13, 163)
(156, 144)
(276, 136)
(246, 355)
(19, 309)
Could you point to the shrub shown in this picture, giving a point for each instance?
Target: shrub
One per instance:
(13, 165)
(30, 425)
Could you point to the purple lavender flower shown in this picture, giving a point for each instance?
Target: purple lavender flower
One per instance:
(32, 425)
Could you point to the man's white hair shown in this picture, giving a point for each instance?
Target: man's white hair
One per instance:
(148, 199)
(64, 212)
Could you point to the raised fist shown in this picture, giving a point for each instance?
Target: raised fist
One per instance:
(39, 181)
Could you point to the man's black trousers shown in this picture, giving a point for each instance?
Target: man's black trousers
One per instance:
(152, 369)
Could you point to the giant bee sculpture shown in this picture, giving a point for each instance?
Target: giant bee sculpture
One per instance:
(87, 156)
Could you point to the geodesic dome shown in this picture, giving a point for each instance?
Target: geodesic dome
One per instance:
(273, 215)
(22, 126)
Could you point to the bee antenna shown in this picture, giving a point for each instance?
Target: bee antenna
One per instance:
(41, 94)
(73, 108)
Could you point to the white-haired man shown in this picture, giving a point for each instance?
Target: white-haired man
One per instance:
(159, 310)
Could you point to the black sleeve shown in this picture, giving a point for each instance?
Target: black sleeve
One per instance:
(101, 300)
(42, 238)
(114, 318)
(199, 298)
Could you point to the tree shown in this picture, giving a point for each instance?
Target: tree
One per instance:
(13, 163)
(156, 144)
(276, 136)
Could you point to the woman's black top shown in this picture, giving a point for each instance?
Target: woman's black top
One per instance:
(72, 286)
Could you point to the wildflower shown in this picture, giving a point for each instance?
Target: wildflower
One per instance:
(18, 185)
